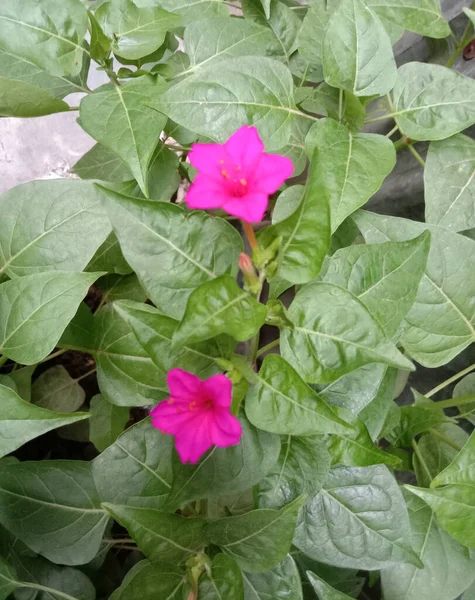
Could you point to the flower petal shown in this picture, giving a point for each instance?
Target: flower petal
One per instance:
(271, 173)
(225, 430)
(206, 158)
(170, 418)
(219, 388)
(245, 148)
(250, 208)
(194, 442)
(205, 193)
(183, 386)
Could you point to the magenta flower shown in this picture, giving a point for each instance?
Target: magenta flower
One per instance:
(237, 176)
(197, 414)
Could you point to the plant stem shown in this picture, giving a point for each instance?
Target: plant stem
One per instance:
(416, 155)
(43, 588)
(267, 347)
(466, 37)
(250, 234)
(178, 147)
(3, 360)
(340, 105)
(450, 380)
(51, 356)
(91, 372)
(393, 130)
(445, 439)
(401, 143)
(452, 403)
(118, 540)
(417, 452)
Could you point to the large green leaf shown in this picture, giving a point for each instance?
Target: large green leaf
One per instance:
(109, 258)
(102, 163)
(223, 581)
(220, 306)
(377, 412)
(48, 34)
(49, 225)
(137, 32)
(431, 102)
(118, 118)
(441, 323)
(21, 421)
(385, 277)
(353, 167)
(357, 53)
(226, 470)
(306, 232)
(107, 422)
(20, 99)
(461, 469)
(454, 507)
(192, 10)
(155, 332)
(192, 247)
(55, 389)
(54, 508)
(281, 582)
(334, 334)
(366, 501)
(310, 38)
(35, 310)
(448, 569)
(259, 539)
(324, 590)
(414, 420)
(464, 387)
(136, 469)
(281, 402)
(161, 536)
(421, 16)
(215, 39)
(149, 581)
(215, 102)
(449, 183)
(8, 580)
(302, 468)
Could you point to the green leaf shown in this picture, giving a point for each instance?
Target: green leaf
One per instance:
(149, 581)
(193, 247)
(257, 540)
(215, 39)
(21, 379)
(220, 306)
(454, 507)
(8, 580)
(121, 287)
(20, 99)
(155, 331)
(118, 118)
(193, 10)
(353, 166)
(107, 422)
(302, 468)
(366, 501)
(101, 45)
(334, 334)
(306, 232)
(464, 387)
(225, 470)
(137, 32)
(54, 508)
(376, 413)
(109, 258)
(163, 176)
(324, 590)
(102, 163)
(385, 277)
(224, 580)
(49, 225)
(36, 309)
(136, 469)
(355, 448)
(470, 14)
(21, 421)
(161, 536)
(415, 420)
(431, 102)
(215, 102)
(461, 469)
(441, 322)
(449, 183)
(448, 568)
(58, 30)
(357, 54)
(421, 16)
(283, 581)
(310, 38)
(56, 390)
(281, 402)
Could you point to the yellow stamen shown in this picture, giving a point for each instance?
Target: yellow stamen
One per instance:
(225, 174)
(243, 182)
(171, 401)
(221, 162)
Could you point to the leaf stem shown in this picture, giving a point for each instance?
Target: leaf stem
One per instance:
(73, 108)
(91, 372)
(250, 234)
(340, 105)
(267, 347)
(451, 403)
(53, 592)
(178, 147)
(393, 130)
(417, 452)
(3, 360)
(416, 155)
(450, 380)
(445, 439)
(51, 356)
(466, 37)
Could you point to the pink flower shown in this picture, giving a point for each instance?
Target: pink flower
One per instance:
(237, 176)
(197, 414)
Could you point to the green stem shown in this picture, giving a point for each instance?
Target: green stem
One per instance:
(416, 155)
(43, 588)
(401, 143)
(340, 105)
(450, 380)
(3, 360)
(267, 347)
(452, 403)
(445, 439)
(393, 130)
(51, 356)
(417, 452)
(466, 37)
(91, 372)
(73, 108)
(178, 147)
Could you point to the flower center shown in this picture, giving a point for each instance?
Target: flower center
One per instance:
(236, 185)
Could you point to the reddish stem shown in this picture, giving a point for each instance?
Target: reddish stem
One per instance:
(250, 234)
